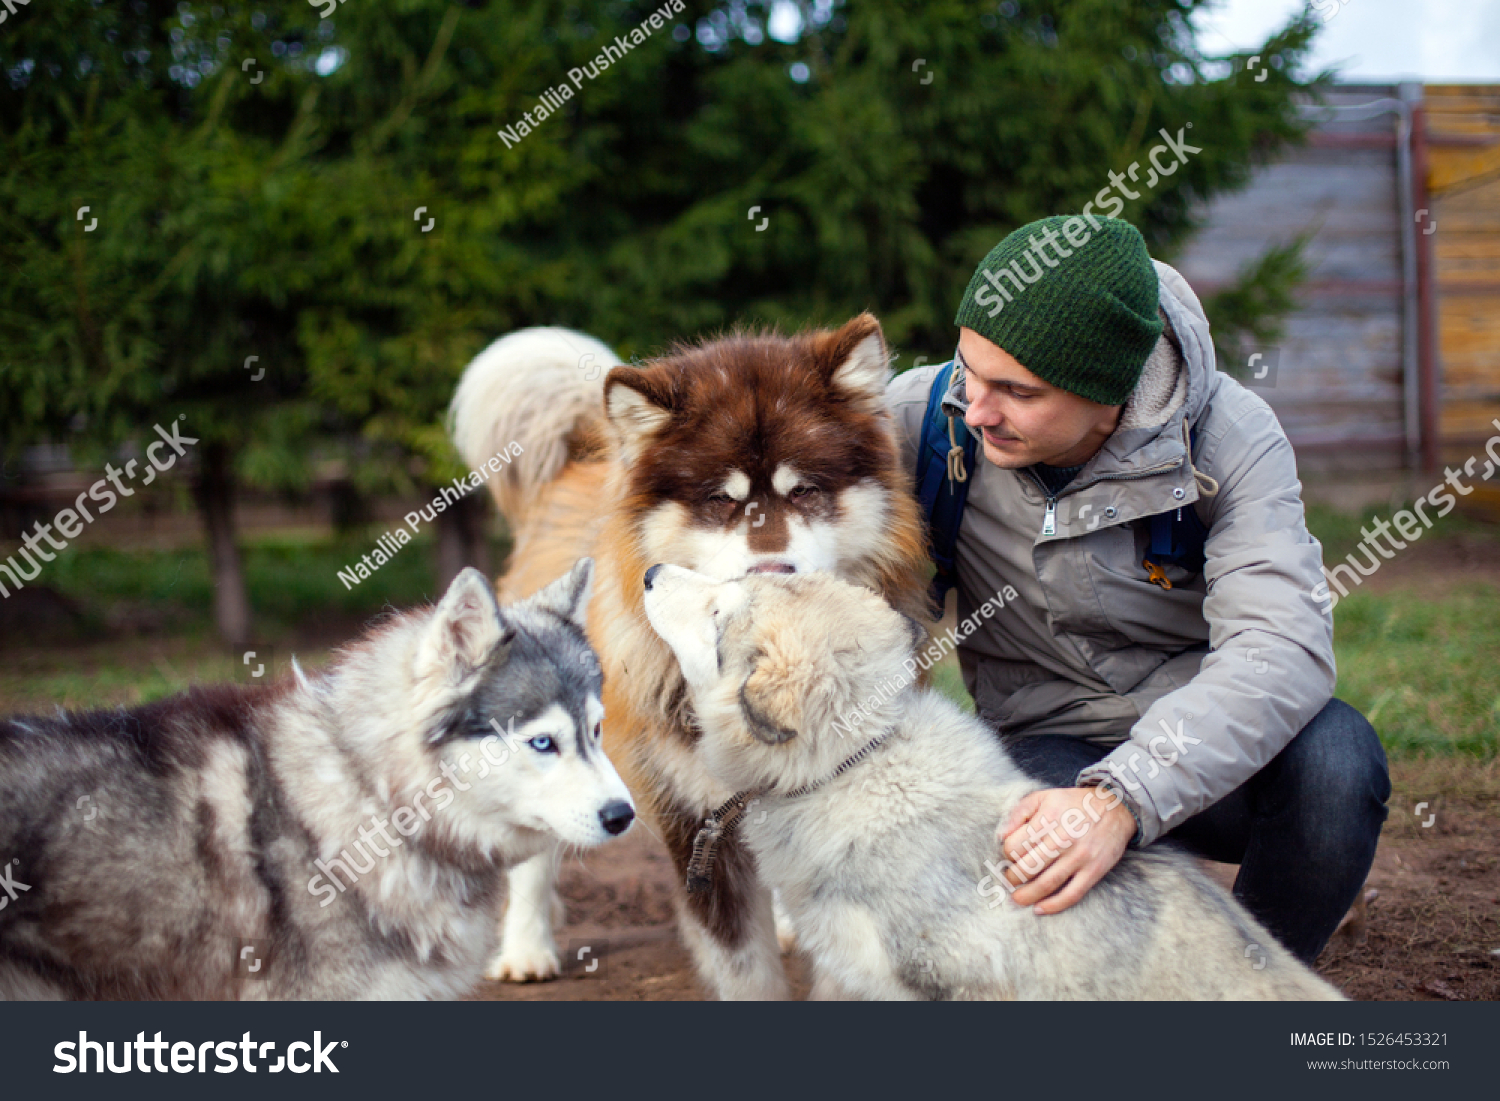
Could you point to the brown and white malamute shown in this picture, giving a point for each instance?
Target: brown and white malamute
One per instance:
(741, 455)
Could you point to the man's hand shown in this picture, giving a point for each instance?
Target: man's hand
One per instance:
(1060, 842)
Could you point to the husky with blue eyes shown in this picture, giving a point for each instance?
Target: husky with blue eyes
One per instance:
(343, 834)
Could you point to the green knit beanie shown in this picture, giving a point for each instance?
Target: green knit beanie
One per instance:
(1074, 300)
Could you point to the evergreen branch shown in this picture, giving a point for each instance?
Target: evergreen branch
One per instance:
(408, 101)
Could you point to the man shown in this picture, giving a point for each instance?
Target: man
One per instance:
(1199, 699)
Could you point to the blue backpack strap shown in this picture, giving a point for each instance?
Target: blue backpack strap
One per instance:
(945, 458)
(1177, 538)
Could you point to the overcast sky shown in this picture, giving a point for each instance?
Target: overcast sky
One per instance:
(1430, 40)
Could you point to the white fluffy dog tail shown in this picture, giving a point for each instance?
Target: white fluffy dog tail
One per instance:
(540, 388)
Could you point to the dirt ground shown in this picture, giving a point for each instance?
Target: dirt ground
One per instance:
(1432, 931)
(1438, 566)
(619, 906)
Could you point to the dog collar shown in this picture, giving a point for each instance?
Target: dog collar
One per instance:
(721, 822)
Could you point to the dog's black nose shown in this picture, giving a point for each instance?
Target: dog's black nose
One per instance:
(615, 816)
(652, 572)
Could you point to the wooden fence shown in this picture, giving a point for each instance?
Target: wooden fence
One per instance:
(1392, 356)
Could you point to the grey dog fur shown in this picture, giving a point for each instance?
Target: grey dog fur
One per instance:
(888, 867)
(155, 842)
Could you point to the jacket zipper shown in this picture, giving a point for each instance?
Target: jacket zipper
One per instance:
(1049, 520)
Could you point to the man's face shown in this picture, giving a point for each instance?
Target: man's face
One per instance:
(1024, 419)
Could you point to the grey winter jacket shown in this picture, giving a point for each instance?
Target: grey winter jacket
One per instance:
(1198, 686)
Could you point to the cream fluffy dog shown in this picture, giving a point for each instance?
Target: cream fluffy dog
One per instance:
(871, 804)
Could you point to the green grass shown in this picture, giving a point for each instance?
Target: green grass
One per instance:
(288, 580)
(1424, 670)
(1422, 667)
(107, 685)
(1339, 532)
(948, 679)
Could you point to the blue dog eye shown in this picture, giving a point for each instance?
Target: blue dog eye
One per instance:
(543, 744)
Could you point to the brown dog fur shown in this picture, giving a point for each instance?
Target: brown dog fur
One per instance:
(638, 486)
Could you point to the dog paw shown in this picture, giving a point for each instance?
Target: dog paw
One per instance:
(534, 964)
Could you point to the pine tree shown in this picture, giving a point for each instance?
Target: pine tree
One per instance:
(351, 200)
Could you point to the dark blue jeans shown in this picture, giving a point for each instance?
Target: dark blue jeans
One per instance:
(1302, 829)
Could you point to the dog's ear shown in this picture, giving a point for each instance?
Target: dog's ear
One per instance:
(638, 401)
(466, 632)
(568, 596)
(769, 703)
(855, 361)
